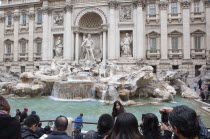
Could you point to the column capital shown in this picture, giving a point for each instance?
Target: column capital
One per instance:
(46, 10)
(113, 4)
(139, 3)
(105, 27)
(68, 8)
(163, 5)
(2, 18)
(207, 3)
(185, 4)
(16, 17)
(31, 16)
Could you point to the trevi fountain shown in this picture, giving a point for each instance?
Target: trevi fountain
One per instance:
(91, 85)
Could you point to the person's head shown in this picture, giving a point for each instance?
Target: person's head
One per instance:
(26, 109)
(125, 127)
(81, 115)
(184, 122)
(61, 123)
(4, 105)
(150, 125)
(199, 117)
(105, 123)
(117, 108)
(33, 112)
(89, 36)
(31, 122)
(17, 110)
(47, 129)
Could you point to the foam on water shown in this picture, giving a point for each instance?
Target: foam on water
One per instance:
(75, 100)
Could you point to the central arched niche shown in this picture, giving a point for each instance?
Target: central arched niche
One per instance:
(90, 20)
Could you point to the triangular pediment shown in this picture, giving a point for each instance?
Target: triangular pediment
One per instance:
(198, 32)
(153, 34)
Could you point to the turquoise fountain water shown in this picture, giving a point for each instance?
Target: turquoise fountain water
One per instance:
(49, 108)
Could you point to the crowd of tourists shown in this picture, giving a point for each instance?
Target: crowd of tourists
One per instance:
(203, 88)
(180, 122)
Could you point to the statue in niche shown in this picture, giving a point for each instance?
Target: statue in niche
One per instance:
(125, 45)
(58, 48)
(125, 14)
(88, 46)
(58, 19)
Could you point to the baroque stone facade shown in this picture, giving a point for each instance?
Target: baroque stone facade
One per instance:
(166, 34)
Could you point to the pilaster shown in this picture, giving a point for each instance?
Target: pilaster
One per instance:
(164, 29)
(140, 47)
(2, 22)
(31, 16)
(16, 20)
(186, 28)
(207, 6)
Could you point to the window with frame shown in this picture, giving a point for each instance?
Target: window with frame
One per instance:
(9, 20)
(9, 1)
(38, 47)
(152, 9)
(174, 7)
(23, 48)
(152, 42)
(175, 43)
(39, 17)
(196, 7)
(23, 19)
(8, 48)
(197, 42)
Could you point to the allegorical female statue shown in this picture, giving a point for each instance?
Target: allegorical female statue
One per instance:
(125, 45)
(59, 48)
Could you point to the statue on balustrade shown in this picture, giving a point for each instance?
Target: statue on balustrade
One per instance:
(88, 47)
(58, 48)
(126, 46)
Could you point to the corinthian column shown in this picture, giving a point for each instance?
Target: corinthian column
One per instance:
(112, 32)
(140, 48)
(68, 34)
(45, 47)
(164, 29)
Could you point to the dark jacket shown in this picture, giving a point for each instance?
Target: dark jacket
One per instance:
(9, 127)
(27, 133)
(23, 116)
(94, 135)
(59, 135)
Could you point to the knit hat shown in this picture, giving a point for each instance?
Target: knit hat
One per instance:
(25, 109)
(4, 105)
(33, 112)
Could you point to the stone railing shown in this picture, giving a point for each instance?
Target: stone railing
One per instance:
(8, 57)
(197, 15)
(18, 2)
(37, 56)
(152, 17)
(172, 17)
(175, 53)
(153, 54)
(23, 56)
(84, 1)
(198, 53)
